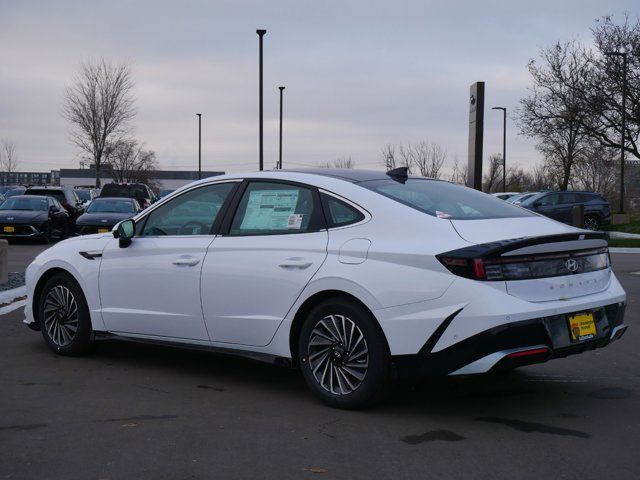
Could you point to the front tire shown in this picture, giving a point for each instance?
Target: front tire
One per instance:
(64, 316)
(343, 355)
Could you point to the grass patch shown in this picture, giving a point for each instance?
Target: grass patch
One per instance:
(632, 227)
(625, 242)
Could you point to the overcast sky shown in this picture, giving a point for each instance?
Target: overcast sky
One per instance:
(358, 74)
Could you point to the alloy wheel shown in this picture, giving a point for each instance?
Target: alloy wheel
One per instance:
(61, 315)
(591, 223)
(338, 354)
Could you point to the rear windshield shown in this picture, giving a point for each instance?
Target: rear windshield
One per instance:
(128, 191)
(445, 200)
(57, 194)
(111, 206)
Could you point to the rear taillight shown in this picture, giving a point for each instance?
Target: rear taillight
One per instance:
(527, 267)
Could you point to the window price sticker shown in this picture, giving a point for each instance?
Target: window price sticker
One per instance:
(295, 221)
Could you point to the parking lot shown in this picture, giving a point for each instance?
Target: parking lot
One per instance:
(136, 411)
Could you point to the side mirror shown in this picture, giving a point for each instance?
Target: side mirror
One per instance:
(53, 208)
(124, 232)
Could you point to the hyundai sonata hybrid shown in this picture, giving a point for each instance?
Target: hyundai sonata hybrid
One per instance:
(355, 277)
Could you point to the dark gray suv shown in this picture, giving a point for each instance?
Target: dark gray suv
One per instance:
(559, 206)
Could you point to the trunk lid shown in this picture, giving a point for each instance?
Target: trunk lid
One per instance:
(538, 259)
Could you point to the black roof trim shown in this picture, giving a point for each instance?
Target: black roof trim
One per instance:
(348, 174)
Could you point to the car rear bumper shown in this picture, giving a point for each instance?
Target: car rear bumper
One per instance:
(513, 345)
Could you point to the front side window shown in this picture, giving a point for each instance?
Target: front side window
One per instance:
(275, 208)
(191, 213)
(445, 200)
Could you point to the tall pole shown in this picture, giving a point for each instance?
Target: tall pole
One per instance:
(504, 146)
(280, 151)
(199, 145)
(624, 127)
(624, 122)
(261, 162)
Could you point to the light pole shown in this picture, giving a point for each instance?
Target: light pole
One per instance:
(504, 146)
(624, 122)
(261, 33)
(280, 152)
(199, 115)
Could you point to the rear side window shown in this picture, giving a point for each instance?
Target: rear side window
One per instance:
(445, 200)
(339, 213)
(268, 208)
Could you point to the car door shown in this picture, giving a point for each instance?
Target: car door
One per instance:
(272, 243)
(56, 214)
(565, 208)
(152, 287)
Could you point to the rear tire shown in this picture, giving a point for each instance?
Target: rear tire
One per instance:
(64, 317)
(343, 355)
(591, 222)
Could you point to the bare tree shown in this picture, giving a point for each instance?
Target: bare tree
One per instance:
(429, 158)
(8, 157)
(550, 112)
(493, 176)
(598, 171)
(130, 162)
(342, 162)
(389, 156)
(460, 173)
(99, 106)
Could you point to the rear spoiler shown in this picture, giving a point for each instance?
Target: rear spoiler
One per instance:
(565, 242)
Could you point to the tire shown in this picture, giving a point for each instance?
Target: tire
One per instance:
(592, 222)
(66, 310)
(337, 379)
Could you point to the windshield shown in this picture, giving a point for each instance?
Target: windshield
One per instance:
(129, 191)
(13, 192)
(529, 201)
(110, 206)
(22, 203)
(445, 200)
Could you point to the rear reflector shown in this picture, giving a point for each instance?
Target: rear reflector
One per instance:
(526, 353)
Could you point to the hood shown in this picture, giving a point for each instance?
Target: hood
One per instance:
(496, 229)
(22, 216)
(106, 219)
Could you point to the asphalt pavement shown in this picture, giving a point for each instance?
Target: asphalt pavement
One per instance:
(136, 411)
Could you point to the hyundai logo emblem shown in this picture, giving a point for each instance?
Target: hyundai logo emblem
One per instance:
(571, 264)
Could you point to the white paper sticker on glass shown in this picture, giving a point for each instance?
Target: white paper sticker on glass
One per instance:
(271, 210)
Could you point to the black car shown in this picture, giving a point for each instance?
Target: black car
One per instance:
(66, 196)
(559, 206)
(139, 191)
(104, 213)
(33, 217)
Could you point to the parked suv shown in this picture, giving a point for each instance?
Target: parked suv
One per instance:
(67, 198)
(139, 191)
(559, 206)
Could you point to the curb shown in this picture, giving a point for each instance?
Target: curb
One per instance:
(8, 296)
(623, 250)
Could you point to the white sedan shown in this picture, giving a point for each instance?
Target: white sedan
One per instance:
(353, 276)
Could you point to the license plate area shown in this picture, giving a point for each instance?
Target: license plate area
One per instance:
(103, 230)
(582, 326)
(9, 229)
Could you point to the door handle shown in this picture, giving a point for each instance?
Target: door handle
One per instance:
(186, 261)
(299, 263)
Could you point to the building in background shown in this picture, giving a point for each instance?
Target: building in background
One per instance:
(166, 179)
(29, 178)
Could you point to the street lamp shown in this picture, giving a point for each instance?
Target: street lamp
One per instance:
(624, 121)
(261, 33)
(280, 152)
(504, 146)
(199, 115)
